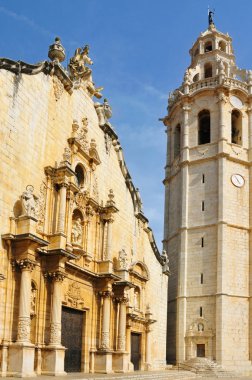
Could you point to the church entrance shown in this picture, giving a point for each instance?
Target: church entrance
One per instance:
(135, 350)
(71, 337)
(200, 350)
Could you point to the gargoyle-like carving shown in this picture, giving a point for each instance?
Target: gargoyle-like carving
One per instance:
(29, 202)
(77, 65)
(165, 262)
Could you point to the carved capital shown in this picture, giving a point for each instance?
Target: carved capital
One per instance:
(24, 264)
(55, 276)
(106, 294)
(122, 300)
(186, 108)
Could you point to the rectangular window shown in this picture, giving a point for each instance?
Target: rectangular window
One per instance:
(203, 178)
(203, 205)
(202, 242)
(200, 311)
(201, 278)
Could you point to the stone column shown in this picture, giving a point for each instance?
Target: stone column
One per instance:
(24, 319)
(55, 326)
(185, 138)
(121, 339)
(104, 345)
(222, 130)
(62, 208)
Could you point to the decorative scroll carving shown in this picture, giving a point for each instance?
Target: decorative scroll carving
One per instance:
(82, 135)
(95, 191)
(58, 88)
(55, 276)
(24, 328)
(81, 200)
(41, 206)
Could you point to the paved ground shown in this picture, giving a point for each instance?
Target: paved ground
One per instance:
(161, 375)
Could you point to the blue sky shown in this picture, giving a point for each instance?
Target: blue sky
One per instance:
(140, 52)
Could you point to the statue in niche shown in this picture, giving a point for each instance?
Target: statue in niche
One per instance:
(33, 301)
(78, 62)
(29, 202)
(122, 260)
(200, 327)
(77, 231)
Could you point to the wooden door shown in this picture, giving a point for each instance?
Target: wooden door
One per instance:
(135, 350)
(71, 338)
(200, 350)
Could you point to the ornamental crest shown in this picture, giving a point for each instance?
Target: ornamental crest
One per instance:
(73, 296)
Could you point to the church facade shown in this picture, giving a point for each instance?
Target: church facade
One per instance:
(208, 207)
(83, 286)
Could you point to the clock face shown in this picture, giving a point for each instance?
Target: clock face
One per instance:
(236, 102)
(237, 180)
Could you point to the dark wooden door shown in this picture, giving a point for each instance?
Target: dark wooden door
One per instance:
(72, 322)
(135, 350)
(200, 350)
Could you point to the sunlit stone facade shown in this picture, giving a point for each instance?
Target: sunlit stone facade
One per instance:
(83, 287)
(208, 207)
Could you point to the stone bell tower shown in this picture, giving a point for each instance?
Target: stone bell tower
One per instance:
(208, 214)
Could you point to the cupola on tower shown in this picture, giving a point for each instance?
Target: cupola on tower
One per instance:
(208, 206)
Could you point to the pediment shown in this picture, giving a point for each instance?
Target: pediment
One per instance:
(140, 270)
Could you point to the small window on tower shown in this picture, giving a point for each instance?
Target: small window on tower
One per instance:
(208, 46)
(236, 127)
(208, 70)
(201, 278)
(196, 78)
(201, 311)
(177, 137)
(204, 127)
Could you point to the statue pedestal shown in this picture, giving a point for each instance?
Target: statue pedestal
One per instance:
(106, 266)
(53, 361)
(21, 360)
(103, 362)
(121, 362)
(26, 225)
(57, 241)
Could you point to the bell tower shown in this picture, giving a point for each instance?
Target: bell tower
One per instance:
(208, 212)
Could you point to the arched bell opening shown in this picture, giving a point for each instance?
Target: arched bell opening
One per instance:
(177, 140)
(204, 129)
(236, 127)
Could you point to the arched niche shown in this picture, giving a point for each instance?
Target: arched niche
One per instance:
(222, 46)
(208, 70)
(77, 228)
(204, 127)
(80, 175)
(208, 46)
(196, 78)
(140, 270)
(236, 127)
(177, 140)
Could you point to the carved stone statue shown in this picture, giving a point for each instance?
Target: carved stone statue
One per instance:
(139, 200)
(77, 231)
(78, 62)
(92, 90)
(29, 202)
(104, 112)
(165, 261)
(122, 260)
(210, 18)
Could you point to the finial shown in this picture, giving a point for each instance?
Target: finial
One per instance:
(56, 51)
(210, 17)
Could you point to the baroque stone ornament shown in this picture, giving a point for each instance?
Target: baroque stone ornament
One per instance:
(122, 260)
(58, 88)
(41, 206)
(77, 232)
(24, 328)
(104, 112)
(73, 296)
(78, 63)
(29, 202)
(56, 51)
